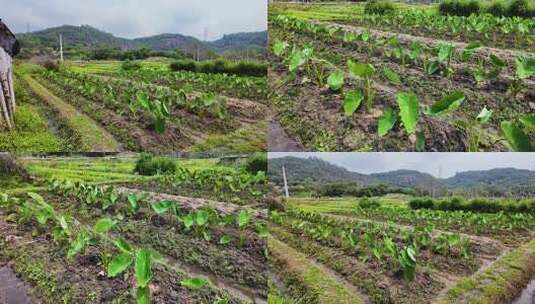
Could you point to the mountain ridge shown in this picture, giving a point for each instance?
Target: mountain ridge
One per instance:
(88, 36)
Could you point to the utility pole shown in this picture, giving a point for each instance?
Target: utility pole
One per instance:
(61, 48)
(285, 182)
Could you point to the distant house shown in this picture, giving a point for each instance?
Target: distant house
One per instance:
(9, 47)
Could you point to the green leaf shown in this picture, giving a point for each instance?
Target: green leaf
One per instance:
(497, 61)
(104, 225)
(518, 140)
(336, 80)
(162, 207)
(392, 76)
(188, 221)
(409, 110)
(360, 69)
(525, 67)
(79, 244)
(433, 67)
(201, 217)
(352, 101)
(225, 239)
(279, 47)
(469, 50)
(143, 267)
(243, 218)
(445, 51)
(483, 116)
(134, 201)
(447, 104)
(194, 283)
(528, 121)
(123, 245)
(387, 121)
(119, 264)
(262, 231)
(159, 124)
(143, 295)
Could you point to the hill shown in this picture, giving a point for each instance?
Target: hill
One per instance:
(499, 181)
(88, 37)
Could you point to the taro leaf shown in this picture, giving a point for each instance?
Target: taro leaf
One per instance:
(143, 267)
(528, 121)
(349, 37)
(365, 36)
(525, 67)
(188, 221)
(194, 283)
(143, 295)
(392, 76)
(243, 218)
(352, 101)
(432, 68)
(387, 121)
(262, 231)
(134, 201)
(445, 51)
(79, 244)
(162, 207)
(279, 47)
(484, 116)
(447, 104)
(119, 264)
(497, 61)
(225, 239)
(206, 236)
(104, 225)
(420, 142)
(201, 217)
(518, 140)
(362, 70)
(469, 50)
(123, 246)
(409, 110)
(336, 80)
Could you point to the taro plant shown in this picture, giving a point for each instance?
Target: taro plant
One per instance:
(525, 68)
(409, 110)
(243, 219)
(365, 72)
(516, 133)
(446, 52)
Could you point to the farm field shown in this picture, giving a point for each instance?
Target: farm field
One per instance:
(90, 230)
(341, 79)
(109, 106)
(382, 250)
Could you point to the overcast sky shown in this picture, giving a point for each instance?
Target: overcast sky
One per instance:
(140, 18)
(423, 162)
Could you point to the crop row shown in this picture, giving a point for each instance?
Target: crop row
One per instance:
(474, 205)
(117, 255)
(129, 96)
(254, 88)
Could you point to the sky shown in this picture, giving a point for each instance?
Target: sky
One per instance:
(140, 18)
(431, 163)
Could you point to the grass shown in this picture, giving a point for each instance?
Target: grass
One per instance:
(244, 140)
(112, 67)
(343, 204)
(92, 137)
(500, 282)
(323, 285)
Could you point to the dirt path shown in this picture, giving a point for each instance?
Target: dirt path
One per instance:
(506, 54)
(194, 203)
(327, 286)
(93, 137)
(280, 141)
(491, 246)
(13, 290)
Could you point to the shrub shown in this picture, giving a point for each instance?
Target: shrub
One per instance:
(220, 66)
(149, 165)
(379, 7)
(422, 203)
(369, 203)
(520, 8)
(497, 8)
(257, 163)
(51, 65)
(128, 65)
(459, 7)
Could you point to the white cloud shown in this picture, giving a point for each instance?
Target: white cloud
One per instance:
(449, 163)
(139, 18)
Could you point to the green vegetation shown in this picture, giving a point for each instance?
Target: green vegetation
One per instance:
(242, 68)
(149, 165)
